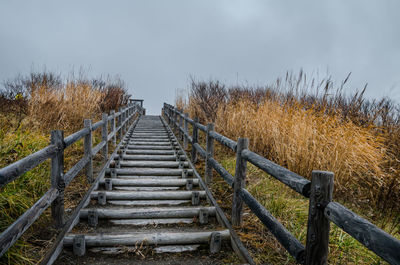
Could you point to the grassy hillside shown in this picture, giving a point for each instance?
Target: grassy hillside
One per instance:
(32, 106)
(308, 125)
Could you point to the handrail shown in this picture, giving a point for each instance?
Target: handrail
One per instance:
(316, 250)
(60, 181)
(13, 171)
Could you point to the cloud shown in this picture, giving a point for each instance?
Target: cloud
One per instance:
(156, 45)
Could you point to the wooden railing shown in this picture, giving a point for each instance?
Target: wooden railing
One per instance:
(118, 123)
(322, 210)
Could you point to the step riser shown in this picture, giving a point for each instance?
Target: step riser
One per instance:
(152, 164)
(185, 212)
(149, 157)
(151, 172)
(158, 203)
(151, 182)
(149, 195)
(131, 239)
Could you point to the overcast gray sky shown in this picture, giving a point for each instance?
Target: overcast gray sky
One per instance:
(156, 45)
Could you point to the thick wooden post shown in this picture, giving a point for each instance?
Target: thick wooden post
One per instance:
(104, 134)
(185, 139)
(123, 121)
(180, 127)
(57, 177)
(119, 124)
(239, 182)
(175, 116)
(87, 145)
(195, 140)
(209, 153)
(318, 225)
(113, 127)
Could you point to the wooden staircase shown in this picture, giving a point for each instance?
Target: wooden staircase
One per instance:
(148, 208)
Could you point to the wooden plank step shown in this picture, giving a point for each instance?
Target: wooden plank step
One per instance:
(150, 152)
(152, 164)
(147, 177)
(145, 188)
(155, 238)
(134, 137)
(148, 202)
(149, 195)
(151, 171)
(153, 182)
(150, 157)
(162, 221)
(156, 140)
(147, 212)
(150, 143)
(158, 250)
(149, 147)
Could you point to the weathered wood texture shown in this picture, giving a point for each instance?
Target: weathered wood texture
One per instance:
(194, 140)
(185, 132)
(291, 179)
(236, 242)
(132, 239)
(13, 171)
(57, 180)
(287, 240)
(239, 182)
(55, 195)
(375, 239)
(104, 136)
(208, 172)
(14, 231)
(318, 225)
(87, 147)
(156, 212)
(56, 247)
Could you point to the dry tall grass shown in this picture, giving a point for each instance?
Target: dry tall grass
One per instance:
(304, 140)
(47, 101)
(304, 124)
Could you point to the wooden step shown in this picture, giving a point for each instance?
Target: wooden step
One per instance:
(150, 157)
(151, 171)
(148, 202)
(148, 195)
(152, 164)
(149, 147)
(154, 182)
(161, 221)
(144, 188)
(149, 152)
(148, 212)
(155, 238)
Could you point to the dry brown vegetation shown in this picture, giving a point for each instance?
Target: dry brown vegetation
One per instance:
(46, 100)
(30, 107)
(306, 125)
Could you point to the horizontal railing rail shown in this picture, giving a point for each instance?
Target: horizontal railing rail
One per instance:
(319, 190)
(54, 197)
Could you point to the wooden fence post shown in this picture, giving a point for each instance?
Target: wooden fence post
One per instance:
(123, 121)
(87, 145)
(175, 119)
(194, 140)
(57, 177)
(104, 135)
(318, 225)
(119, 124)
(209, 153)
(180, 127)
(185, 139)
(239, 182)
(113, 127)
